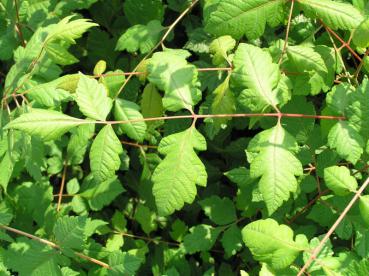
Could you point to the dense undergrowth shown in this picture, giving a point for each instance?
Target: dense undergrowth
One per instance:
(180, 137)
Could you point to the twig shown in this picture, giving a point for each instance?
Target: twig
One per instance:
(138, 145)
(53, 245)
(333, 228)
(18, 28)
(287, 33)
(62, 184)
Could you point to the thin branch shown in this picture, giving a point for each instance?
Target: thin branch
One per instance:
(239, 115)
(62, 184)
(344, 43)
(287, 33)
(18, 28)
(333, 228)
(356, 75)
(138, 145)
(171, 27)
(53, 245)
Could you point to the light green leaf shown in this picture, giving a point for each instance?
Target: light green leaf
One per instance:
(271, 155)
(175, 178)
(140, 37)
(68, 30)
(47, 124)
(92, 99)
(336, 15)
(346, 141)
(220, 210)
(240, 176)
(122, 263)
(100, 194)
(339, 180)
(255, 71)
(69, 232)
(104, 154)
(272, 243)
(220, 48)
(237, 17)
(201, 238)
(171, 72)
(59, 54)
(125, 111)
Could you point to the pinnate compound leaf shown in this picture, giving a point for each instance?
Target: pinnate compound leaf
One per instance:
(170, 72)
(237, 17)
(272, 243)
(175, 178)
(201, 238)
(122, 263)
(220, 210)
(272, 158)
(255, 71)
(339, 180)
(69, 232)
(47, 124)
(104, 154)
(141, 37)
(125, 111)
(335, 14)
(92, 99)
(347, 142)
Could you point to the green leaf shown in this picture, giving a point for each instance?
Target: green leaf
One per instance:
(255, 71)
(144, 11)
(346, 141)
(31, 258)
(222, 102)
(272, 243)
(201, 238)
(220, 210)
(59, 54)
(339, 180)
(126, 111)
(47, 124)
(364, 208)
(100, 194)
(171, 72)
(175, 178)
(335, 14)
(69, 232)
(360, 37)
(104, 154)
(358, 109)
(240, 176)
(236, 17)
(271, 155)
(220, 48)
(141, 37)
(78, 143)
(232, 240)
(122, 263)
(151, 103)
(92, 99)
(146, 218)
